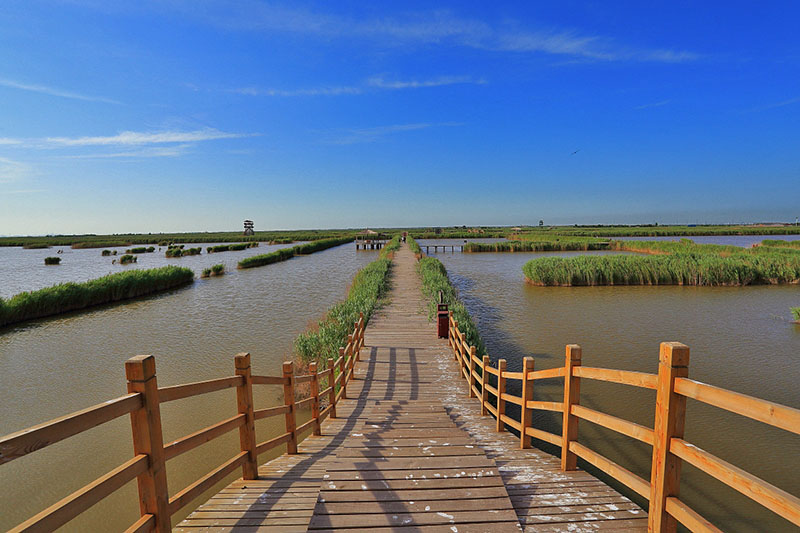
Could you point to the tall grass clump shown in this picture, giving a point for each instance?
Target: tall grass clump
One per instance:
(128, 258)
(216, 270)
(365, 294)
(556, 245)
(434, 279)
(230, 247)
(35, 246)
(52, 260)
(287, 253)
(72, 296)
(796, 314)
(414, 246)
(690, 267)
(180, 251)
(780, 244)
(141, 250)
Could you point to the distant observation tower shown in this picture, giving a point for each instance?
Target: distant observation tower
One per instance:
(248, 227)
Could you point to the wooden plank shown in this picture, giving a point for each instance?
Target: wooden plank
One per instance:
(776, 500)
(269, 380)
(178, 392)
(34, 438)
(625, 427)
(65, 510)
(764, 411)
(689, 517)
(185, 496)
(634, 482)
(625, 377)
(271, 411)
(550, 373)
(192, 441)
(272, 443)
(546, 406)
(145, 524)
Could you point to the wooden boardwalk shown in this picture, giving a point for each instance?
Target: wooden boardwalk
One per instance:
(410, 452)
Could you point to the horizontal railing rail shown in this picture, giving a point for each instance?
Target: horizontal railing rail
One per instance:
(672, 386)
(148, 466)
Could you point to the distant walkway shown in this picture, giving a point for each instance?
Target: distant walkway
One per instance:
(410, 452)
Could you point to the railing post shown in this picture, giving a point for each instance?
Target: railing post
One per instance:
(484, 380)
(471, 380)
(501, 389)
(148, 440)
(332, 385)
(351, 356)
(244, 403)
(525, 414)
(356, 341)
(450, 330)
(288, 400)
(673, 362)
(312, 368)
(572, 396)
(456, 347)
(342, 373)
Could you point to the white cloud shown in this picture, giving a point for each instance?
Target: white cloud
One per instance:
(382, 83)
(135, 138)
(656, 104)
(12, 171)
(146, 152)
(42, 89)
(363, 135)
(784, 103)
(319, 91)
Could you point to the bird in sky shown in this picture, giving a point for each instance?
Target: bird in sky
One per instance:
(576, 151)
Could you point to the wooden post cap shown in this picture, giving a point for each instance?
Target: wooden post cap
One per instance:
(288, 367)
(574, 352)
(140, 368)
(242, 360)
(341, 351)
(674, 354)
(312, 367)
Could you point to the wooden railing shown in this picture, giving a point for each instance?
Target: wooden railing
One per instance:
(672, 387)
(148, 464)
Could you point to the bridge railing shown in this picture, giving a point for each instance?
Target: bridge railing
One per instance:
(151, 454)
(672, 387)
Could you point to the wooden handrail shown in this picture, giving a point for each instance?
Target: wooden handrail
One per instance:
(672, 387)
(187, 390)
(764, 411)
(148, 465)
(35, 438)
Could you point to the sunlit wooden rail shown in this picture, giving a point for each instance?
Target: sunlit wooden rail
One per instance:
(148, 466)
(489, 386)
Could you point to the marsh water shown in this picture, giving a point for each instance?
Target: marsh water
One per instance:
(55, 366)
(741, 338)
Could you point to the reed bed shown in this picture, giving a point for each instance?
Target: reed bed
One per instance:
(96, 244)
(287, 253)
(796, 314)
(128, 258)
(674, 264)
(141, 250)
(434, 279)
(180, 251)
(555, 245)
(215, 270)
(106, 253)
(52, 260)
(73, 296)
(414, 246)
(35, 246)
(368, 287)
(231, 247)
(771, 243)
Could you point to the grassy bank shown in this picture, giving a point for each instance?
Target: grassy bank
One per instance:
(414, 246)
(366, 291)
(434, 279)
(231, 247)
(72, 296)
(669, 263)
(287, 253)
(771, 243)
(555, 245)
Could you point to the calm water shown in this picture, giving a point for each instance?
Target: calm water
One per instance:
(740, 338)
(24, 270)
(51, 367)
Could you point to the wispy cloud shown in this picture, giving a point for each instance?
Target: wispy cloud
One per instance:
(13, 171)
(51, 91)
(429, 28)
(146, 152)
(656, 104)
(133, 138)
(365, 135)
(23, 191)
(382, 83)
(318, 91)
(784, 103)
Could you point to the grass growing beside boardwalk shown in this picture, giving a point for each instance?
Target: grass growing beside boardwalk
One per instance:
(682, 263)
(435, 279)
(72, 296)
(414, 246)
(369, 286)
(287, 253)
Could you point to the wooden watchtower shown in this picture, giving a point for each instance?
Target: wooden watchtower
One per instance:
(248, 228)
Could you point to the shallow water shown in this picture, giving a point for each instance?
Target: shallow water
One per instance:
(745, 241)
(740, 338)
(24, 270)
(55, 366)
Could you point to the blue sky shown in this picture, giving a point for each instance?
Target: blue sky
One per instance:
(191, 116)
